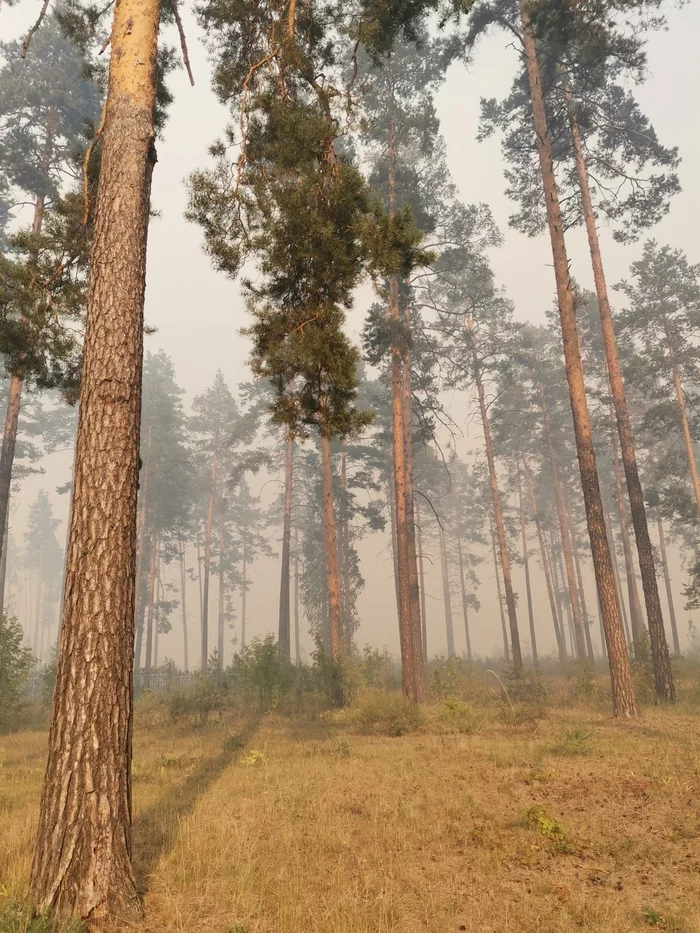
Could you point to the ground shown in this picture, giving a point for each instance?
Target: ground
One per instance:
(279, 825)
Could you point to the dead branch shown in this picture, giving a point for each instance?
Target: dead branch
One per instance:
(183, 40)
(37, 24)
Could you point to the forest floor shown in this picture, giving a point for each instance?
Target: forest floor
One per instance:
(575, 822)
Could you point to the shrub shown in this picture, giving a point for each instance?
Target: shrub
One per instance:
(205, 698)
(456, 716)
(16, 662)
(390, 713)
(262, 674)
(573, 742)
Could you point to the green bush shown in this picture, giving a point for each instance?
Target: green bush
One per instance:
(456, 716)
(262, 675)
(16, 662)
(205, 698)
(381, 711)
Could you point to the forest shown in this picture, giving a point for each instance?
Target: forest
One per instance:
(349, 555)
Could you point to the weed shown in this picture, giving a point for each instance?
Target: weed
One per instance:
(343, 748)
(252, 758)
(390, 713)
(548, 827)
(457, 716)
(17, 918)
(573, 742)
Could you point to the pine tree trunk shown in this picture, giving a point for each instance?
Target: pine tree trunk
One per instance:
(345, 551)
(82, 861)
(37, 623)
(624, 699)
(151, 598)
(506, 648)
(446, 595)
(183, 579)
(618, 583)
(207, 564)
(331, 549)
(687, 437)
(222, 602)
(636, 616)
(394, 557)
(526, 566)
(156, 627)
(284, 634)
(297, 646)
(563, 530)
(561, 597)
(141, 529)
(465, 606)
(244, 587)
(561, 645)
(498, 519)
(421, 581)
(663, 676)
(579, 580)
(667, 582)
(414, 588)
(3, 562)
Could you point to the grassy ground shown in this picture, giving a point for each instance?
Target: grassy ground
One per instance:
(572, 822)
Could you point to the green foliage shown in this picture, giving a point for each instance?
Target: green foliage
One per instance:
(16, 662)
(573, 742)
(263, 675)
(252, 758)
(547, 826)
(456, 716)
(197, 705)
(384, 712)
(643, 670)
(19, 918)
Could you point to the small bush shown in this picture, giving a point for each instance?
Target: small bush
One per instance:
(205, 698)
(16, 662)
(18, 918)
(389, 713)
(573, 742)
(457, 716)
(262, 674)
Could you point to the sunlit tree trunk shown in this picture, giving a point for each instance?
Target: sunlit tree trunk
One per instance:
(207, 565)
(667, 582)
(663, 676)
(446, 594)
(561, 644)
(506, 647)
(526, 566)
(151, 599)
(3, 560)
(183, 591)
(421, 583)
(331, 549)
(284, 613)
(624, 699)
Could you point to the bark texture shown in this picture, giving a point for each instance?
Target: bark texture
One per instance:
(624, 699)
(82, 861)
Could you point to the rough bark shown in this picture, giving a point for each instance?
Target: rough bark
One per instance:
(446, 594)
(624, 699)
(667, 582)
(151, 599)
(284, 631)
(663, 676)
(82, 861)
(331, 550)
(506, 647)
(421, 583)
(561, 644)
(183, 593)
(564, 532)
(204, 650)
(526, 566)
(498, 519)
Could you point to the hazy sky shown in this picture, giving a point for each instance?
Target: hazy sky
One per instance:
(198, 313)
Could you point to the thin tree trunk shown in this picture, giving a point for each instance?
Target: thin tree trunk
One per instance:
(151, 607)
(636, 616)
(345, 551)
(526, 565)
(446, 595)
(421, 582)
(506, 648)
(82, 861)
(204, 652)
(667, 582)
(416, 617)
(141, 529)
(156, 627)
(663, 676)
(244, 587)
(297, 647)
(284, 633)
(618, 583)
(561, 644)
(3, 561)
(561, 596)
(579, 580)
(498, 516)
(563, 530)
(222, 604)
(465, 606)
(624, 699)
(331, 548)
(394, 558)
(37, 622)
(687, 437)
(183, 578)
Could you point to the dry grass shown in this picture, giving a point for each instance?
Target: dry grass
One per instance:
(582, 823)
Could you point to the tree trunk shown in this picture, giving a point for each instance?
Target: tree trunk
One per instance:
(244, 587)
(561, 644)
(687, 437)
(624, 699)
(498, 517)
(446, 595)
(3, 561)
(183, 578)
(82, 862)
(421, 581)
(563, 530)
(663, 676)
(207, 564)
(156, 627)
(37, 621)
(506, 649)
(526, 565)
(284, 635)
(618, 583)
(636, 616)
(151, 607)
(416, 617)
(141, 528)
(297, 647)
(331, 548)
(579, 580)
(345, 551)
(394, 557)
(465, 606)
(561, 597)
(667, 581)
(222, 603)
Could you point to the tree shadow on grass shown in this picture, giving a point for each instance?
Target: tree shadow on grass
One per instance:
(155, 829)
